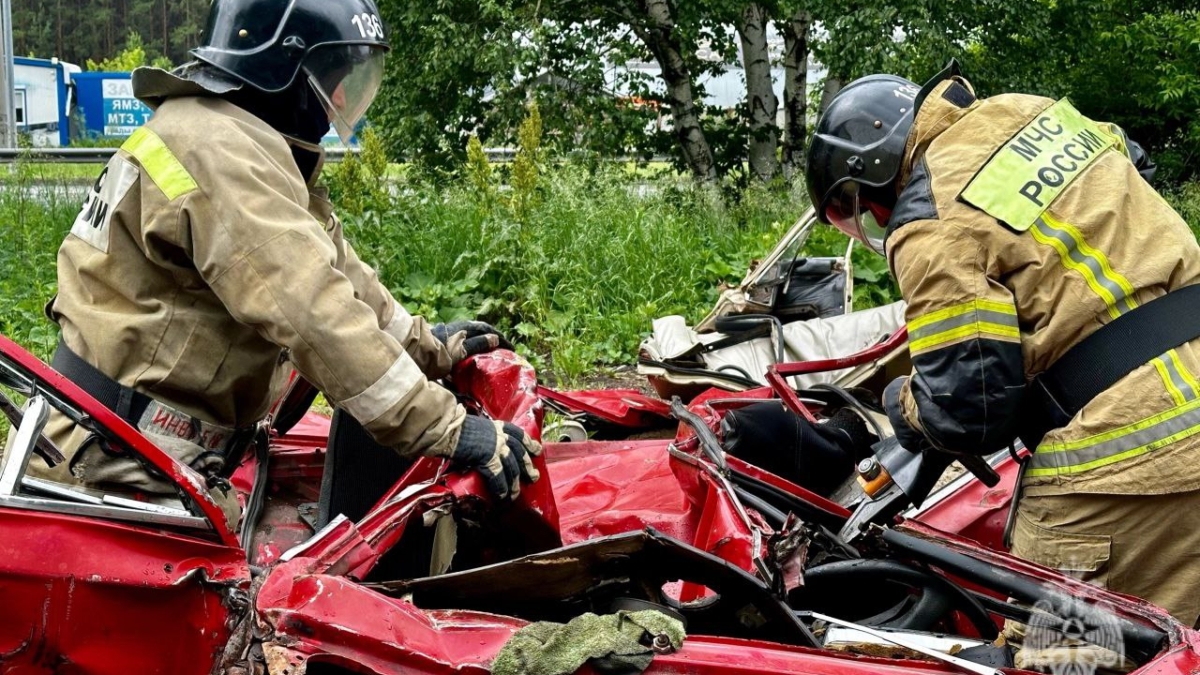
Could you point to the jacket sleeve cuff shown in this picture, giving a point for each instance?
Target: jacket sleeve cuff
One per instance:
(894, 397)
(413, 334)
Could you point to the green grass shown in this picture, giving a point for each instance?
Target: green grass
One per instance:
(579, 278)
(37, 207)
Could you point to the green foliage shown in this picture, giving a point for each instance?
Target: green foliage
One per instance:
(1185, 199)
(527, 165)
(1134, 63)
(80, 30)
(133, 56)
(479, 173)
(359, 183)
(578, 282)
(37, 208)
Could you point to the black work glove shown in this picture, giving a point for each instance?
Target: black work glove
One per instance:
(468, 338)
(501, 451)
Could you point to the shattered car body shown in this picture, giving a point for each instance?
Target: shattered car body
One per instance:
(435, 579)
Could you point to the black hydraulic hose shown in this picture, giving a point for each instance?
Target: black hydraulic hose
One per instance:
(710, 445)
(1142, 642)
(854, 403)
(737, 369)
(734, 380)
(787, 501)
(775, 518)
(857, 571)
(743, 323)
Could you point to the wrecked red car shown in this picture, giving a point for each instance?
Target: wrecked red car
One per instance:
(433, 578)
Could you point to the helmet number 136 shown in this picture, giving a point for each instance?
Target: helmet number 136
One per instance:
(368, 25)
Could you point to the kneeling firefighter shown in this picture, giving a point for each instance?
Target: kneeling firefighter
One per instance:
(1051, 296)
(206, 257)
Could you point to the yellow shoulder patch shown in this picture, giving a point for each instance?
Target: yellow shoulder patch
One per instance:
(159, 163)
(1025, 176)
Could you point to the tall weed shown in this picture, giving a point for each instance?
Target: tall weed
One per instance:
(577, 275)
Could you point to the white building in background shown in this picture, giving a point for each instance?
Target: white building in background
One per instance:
(43, 97)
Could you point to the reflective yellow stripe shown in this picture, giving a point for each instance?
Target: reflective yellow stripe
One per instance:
(1113, 288)
(1086, 249)
(160, 163)
(1132, 440)
(1173, 390)
(977, 318)
(1114, 446)
(1183, 371)
(1076, 255)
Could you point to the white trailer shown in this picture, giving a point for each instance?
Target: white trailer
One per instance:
(42, 99)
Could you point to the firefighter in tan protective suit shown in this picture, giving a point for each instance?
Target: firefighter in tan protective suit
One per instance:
(205, 258)
(1016, 228)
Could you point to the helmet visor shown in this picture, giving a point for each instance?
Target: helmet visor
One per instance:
(858, 218)
(346, 79)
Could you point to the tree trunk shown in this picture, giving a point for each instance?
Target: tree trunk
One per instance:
(59, 51)
(656, 29)
(166, 31)
(795, 90)
(833, 85)
(761, 104)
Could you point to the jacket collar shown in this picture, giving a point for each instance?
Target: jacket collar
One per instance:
(946, 102)
(152, 86)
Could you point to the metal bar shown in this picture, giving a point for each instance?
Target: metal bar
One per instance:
(7, 76)
(102, 155)
(16, 460)
(112, 500)
(111, 512)
(788, 395)
(866, 356)
(61, 491)
(909, 644)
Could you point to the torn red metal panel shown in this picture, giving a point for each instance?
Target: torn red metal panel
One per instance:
(335, 620)
(627, 408)
(190, 482)
(90, 596)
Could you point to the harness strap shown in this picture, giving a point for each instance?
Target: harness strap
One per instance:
(127, 403)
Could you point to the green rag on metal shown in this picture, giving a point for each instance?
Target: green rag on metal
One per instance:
(614, 644)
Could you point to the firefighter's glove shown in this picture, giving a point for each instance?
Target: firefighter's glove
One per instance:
(468, 338)
(501, 451)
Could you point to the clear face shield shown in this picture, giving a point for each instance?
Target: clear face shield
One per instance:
(859, 218)
(346, 79)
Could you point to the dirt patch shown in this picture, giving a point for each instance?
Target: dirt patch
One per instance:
(619, 377)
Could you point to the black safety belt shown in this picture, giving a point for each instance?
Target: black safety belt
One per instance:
(127, 403)
(1101, 359)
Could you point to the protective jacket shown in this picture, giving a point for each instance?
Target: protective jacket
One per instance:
(1022, 227)
(203, 261)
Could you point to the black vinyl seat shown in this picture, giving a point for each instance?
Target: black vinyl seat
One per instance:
(358, 471)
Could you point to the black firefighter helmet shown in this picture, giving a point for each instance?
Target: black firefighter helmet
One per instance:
(338, 45)
(855, 155)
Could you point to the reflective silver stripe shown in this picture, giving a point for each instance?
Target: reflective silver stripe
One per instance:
(1122, 300)
(967, 319)
(1181, 384)
(401, 324)
(1141, 439)
(387, 391)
